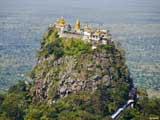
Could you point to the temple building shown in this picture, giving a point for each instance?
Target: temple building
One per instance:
(60, 24)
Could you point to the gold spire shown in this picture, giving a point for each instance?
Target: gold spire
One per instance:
(61, 22)
(77, 25)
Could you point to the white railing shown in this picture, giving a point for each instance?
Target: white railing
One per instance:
(116, 114)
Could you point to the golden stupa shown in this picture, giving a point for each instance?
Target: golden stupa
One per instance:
(61, 22)
(77, 26)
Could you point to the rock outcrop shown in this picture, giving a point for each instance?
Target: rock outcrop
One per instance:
(59, 76)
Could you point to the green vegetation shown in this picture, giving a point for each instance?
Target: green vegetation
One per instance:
(53, 45)
(17, 105)
(144, 109)
(14, 103)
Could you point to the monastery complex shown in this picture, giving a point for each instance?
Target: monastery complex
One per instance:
(86, 33)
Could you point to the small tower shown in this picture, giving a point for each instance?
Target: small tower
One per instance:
(77, 26)
(87, 28)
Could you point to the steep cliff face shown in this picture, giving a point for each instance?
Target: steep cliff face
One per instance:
(67, 66)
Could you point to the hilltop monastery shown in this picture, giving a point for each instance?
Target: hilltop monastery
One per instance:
(95, 36)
